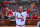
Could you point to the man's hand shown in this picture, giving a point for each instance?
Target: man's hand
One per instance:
(5, 3)
(32, 5)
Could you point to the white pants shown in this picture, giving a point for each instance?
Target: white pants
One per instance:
(21, 24)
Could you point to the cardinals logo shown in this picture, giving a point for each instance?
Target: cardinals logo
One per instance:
(20, 16)
(17, 16)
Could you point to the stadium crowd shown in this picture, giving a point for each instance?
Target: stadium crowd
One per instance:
(34, 14)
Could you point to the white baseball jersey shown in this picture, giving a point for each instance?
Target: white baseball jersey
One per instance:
(20, 18)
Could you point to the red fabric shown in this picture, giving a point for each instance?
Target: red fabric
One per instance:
(31, 17)
(38, 0)
(19, 25)
(2, 9)
(7, 14)
(19, 0)
(35, 17)
(0, 5)
(21, 15)
(22, 20)
(28, 11)
(11, 12)
(5, 2)
(39, 17)
(27, 17)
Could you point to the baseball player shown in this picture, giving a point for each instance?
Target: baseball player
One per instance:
(20, 16)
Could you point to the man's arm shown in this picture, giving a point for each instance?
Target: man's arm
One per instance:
(5, 6)
(32, 5)
(8, 10)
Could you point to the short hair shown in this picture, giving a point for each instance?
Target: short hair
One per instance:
(20, 7)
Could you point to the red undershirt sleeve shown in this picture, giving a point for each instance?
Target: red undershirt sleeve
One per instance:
(11, 12)
(28, 11)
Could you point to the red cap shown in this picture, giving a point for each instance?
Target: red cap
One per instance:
(5, 2)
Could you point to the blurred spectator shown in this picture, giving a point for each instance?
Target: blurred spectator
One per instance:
(0, 6)
(14, 7)
(38, 16)
(27, 16)
(5, 17)
(0, 15)
(34, 16)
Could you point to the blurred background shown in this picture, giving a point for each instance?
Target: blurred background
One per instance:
(32, 19)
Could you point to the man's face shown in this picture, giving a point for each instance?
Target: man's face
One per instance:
(20, 9)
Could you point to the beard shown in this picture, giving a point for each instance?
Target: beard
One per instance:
(20, 11)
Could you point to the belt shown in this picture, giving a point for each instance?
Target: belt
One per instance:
(19, 25)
